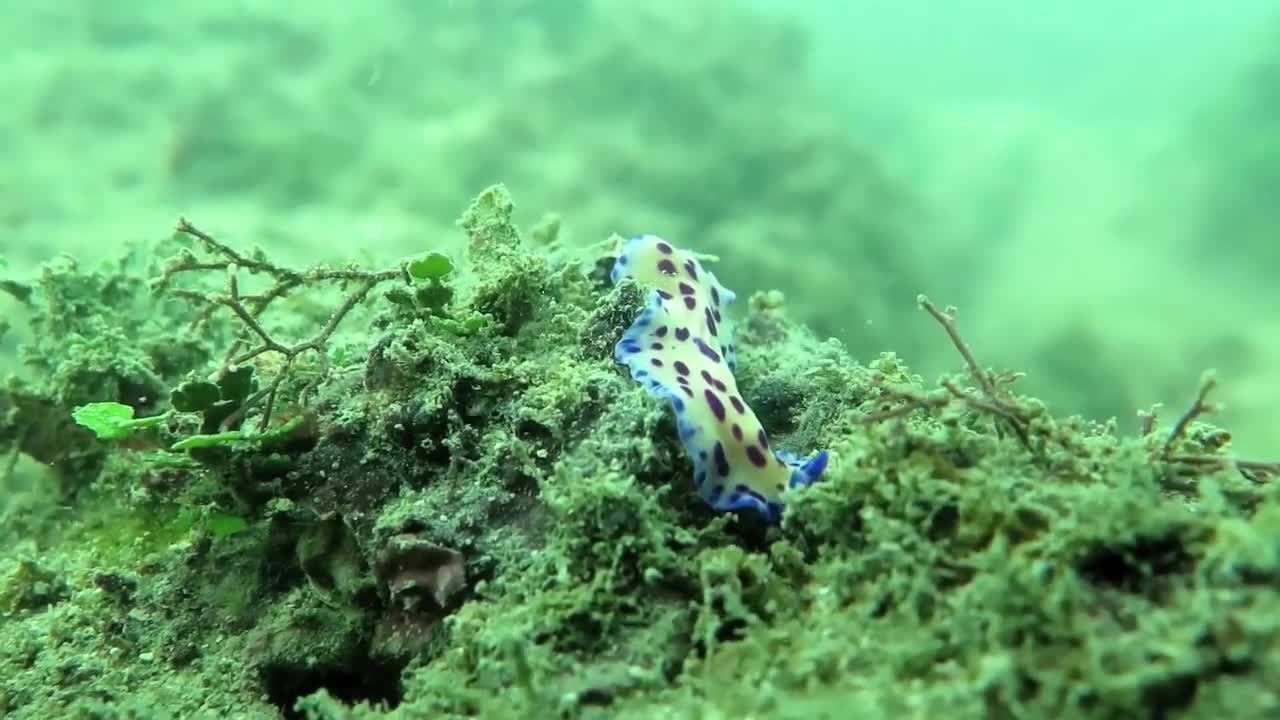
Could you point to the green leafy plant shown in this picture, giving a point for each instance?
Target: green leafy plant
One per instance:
(232, 438)
(113, 420)
(429, 267)
(254, 339)
(221, 524)
(426, 291)
(217, 401)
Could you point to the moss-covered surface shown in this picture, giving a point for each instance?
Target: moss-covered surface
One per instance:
(480, 515)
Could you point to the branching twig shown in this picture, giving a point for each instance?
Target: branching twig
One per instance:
(991, 401)
(254, 339)
(1253, 470)
(911, 403)
(947, 319)
(1147, 420)
(1200, 407)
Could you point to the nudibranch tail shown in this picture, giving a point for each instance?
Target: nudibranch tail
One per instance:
(680, 348)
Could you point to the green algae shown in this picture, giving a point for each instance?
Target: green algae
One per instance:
(943, 565)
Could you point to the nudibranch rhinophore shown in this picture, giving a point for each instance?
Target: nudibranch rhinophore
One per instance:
(680, 348)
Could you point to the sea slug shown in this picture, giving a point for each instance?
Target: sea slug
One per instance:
(680, 348)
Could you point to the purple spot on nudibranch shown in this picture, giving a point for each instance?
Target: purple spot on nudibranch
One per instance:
(737, 432)
(661, 331)
(665, 295)
(687, 390)
(714, 382)
(717, 407)
(715, 295)
(737, 404)
(763, 439)
(681, 367)
(686, 289)
(716, 314)
(666, 267)
(756, 457)
(664, 248)
(656, 346)
(692, 269)
(706, 350)
(683, 380)
(689, 302)
(722, 462)
(655, 362)
(682, 334)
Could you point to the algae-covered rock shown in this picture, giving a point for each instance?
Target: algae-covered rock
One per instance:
(500, 523)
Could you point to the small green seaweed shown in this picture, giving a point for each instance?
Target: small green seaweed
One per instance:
(429, 267)
(221, 524)
(216, 401)
(232, 438)
(113, 420)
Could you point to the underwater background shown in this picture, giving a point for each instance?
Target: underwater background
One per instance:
(351, 441)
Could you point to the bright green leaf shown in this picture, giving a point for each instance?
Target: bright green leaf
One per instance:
(209, 440)
(112, 420)
(186, 519)
(431, 266)
(107, 420)
(232, 438)
(221, 524)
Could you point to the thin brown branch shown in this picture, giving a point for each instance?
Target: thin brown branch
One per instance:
(1253, 470)
(947, 319)
(1200, 407)
(254, 339)
(1147, 420)
(991, 401)
(911, 403)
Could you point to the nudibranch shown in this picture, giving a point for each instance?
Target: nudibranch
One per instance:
(680, 348)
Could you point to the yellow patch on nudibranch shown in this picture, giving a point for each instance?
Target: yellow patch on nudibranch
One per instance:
(681, 349)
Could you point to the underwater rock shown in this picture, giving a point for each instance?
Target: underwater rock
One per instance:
(423, 580)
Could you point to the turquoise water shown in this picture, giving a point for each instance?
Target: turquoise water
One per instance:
(1067, 158)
